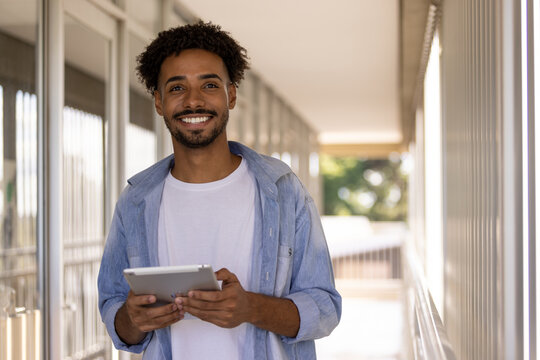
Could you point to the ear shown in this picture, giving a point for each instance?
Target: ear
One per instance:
(232, 95)
(157, 102)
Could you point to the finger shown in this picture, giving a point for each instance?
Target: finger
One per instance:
(173, 321)
(162, 321)
(192, 303)
(225, 275)
(220, 318)
(156, 312)
(147, 316)
(140, 299)
(204, 295)
(206, 315)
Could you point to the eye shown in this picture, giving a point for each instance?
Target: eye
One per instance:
(211, 86)
(176, 88)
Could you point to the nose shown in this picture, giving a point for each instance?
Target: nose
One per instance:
(193, 99)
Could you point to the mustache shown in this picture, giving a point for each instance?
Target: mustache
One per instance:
(193, 112)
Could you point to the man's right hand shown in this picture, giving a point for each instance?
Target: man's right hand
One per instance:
(134, 319)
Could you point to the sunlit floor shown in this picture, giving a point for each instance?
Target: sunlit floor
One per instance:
(370, 329)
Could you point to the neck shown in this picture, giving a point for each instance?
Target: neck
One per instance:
(211, 163)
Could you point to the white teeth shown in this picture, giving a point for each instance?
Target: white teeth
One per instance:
(195, 120)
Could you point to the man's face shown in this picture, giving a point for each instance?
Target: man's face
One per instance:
(194, 97)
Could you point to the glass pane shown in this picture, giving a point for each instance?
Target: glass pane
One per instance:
(314, 171)
(140, 145)
(264, 124)
(275, 126)
(286, 141)
(140, 135)
(293, 143)
(20, 317)
(86, 86)
(303, 152)
(246, 111)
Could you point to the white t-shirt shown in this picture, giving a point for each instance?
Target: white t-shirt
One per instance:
(209, 223)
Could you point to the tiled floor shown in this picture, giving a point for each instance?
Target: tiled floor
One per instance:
(370, 329)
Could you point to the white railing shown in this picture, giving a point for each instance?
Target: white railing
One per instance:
(363, 250)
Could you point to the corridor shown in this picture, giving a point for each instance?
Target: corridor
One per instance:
(411, 123)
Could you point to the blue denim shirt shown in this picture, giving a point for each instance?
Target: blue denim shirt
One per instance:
(290, 256)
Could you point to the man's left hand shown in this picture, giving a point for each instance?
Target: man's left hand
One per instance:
(227, 308)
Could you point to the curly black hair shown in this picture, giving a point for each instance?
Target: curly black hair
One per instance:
(206, 36)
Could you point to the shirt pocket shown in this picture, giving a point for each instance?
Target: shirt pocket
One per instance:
(134, 258)
(284, 270)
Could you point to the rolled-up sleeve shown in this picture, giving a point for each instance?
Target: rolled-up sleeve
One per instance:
(108, 315)
(312, 284)
(112, 287)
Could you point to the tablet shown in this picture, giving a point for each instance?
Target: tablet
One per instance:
(167, 281)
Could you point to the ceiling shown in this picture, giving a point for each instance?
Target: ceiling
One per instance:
(348, 67)
(336, 62)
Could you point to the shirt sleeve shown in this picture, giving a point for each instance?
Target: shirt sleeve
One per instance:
(312, 285)
(112, 287)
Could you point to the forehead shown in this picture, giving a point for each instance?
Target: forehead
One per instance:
(193, 62)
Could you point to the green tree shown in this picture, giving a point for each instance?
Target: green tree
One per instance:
(375, 188)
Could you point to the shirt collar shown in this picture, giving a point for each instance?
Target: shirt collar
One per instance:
(266, 170)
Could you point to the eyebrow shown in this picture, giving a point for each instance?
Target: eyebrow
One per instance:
(210, 76)
(201, 77)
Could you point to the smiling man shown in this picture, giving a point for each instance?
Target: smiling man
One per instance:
(220, 203)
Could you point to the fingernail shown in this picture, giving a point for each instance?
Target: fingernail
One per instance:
(151, 299)
(174, 307)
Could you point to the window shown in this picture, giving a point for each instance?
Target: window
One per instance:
(140, 145)
(433, 177)
(83, 227)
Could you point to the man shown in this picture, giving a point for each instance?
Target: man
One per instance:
(220, 203)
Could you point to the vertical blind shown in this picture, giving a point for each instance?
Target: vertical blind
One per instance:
(472, 174)
(480, 114)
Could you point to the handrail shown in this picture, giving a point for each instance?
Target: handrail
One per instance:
(429, 337)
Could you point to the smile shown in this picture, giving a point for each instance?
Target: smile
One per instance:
(195, 120)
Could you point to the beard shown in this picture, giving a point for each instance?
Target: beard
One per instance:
(195, 139)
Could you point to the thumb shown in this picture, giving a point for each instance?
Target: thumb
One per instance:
(226, 276)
